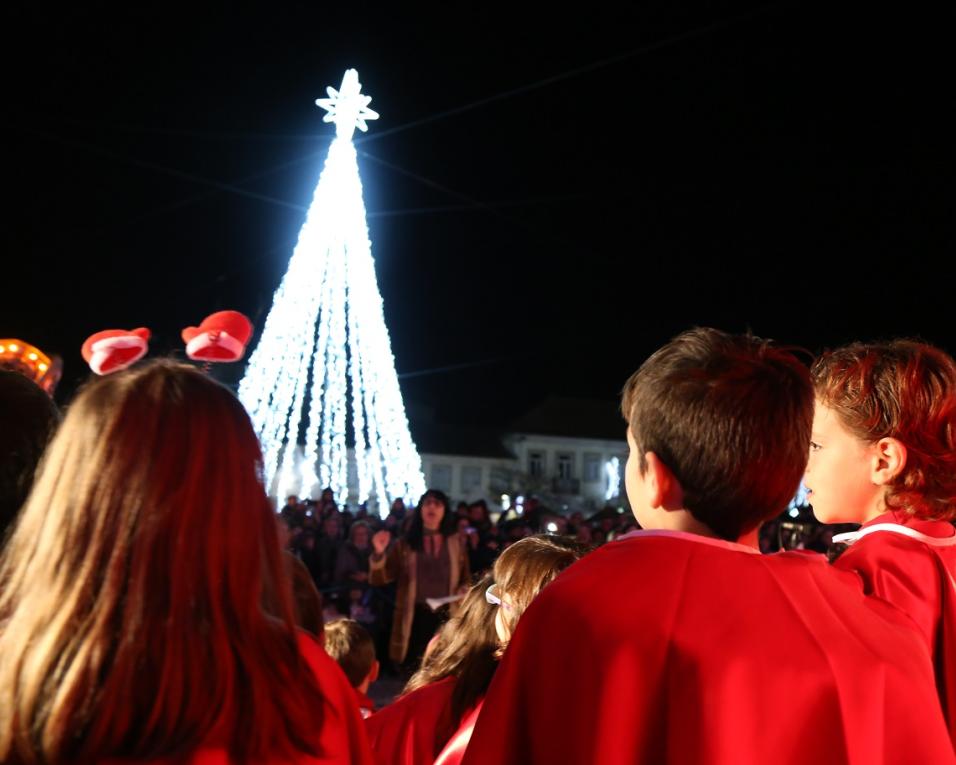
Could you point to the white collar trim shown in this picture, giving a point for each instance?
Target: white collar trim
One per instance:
(852, 536)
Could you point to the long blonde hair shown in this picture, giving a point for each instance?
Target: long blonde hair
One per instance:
(130, 591)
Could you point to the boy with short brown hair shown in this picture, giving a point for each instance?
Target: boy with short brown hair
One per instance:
(680, 642)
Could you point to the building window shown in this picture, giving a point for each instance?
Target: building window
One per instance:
(499, 481)
(470, 478)
(536, 464)
(441, 478)
(565, 466)
(592, 467)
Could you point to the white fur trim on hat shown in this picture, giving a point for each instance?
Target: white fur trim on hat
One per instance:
(202, 341)
(102, 349)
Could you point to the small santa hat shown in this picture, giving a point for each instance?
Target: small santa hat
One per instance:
(114, 349)
(220, 337)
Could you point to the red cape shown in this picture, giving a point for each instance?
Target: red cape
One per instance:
(454, 751)
(919, 578)
(343, 738)
(412, 730)
(669, 647)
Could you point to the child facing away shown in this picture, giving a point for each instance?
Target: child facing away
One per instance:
(353, 649)
(883, 454)
(680, 642)
(437, 711)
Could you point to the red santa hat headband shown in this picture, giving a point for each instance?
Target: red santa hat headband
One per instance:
(220, 337)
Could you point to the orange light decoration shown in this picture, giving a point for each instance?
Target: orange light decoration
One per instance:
(28, 360)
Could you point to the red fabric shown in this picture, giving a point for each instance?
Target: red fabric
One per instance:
(454, 751)
(343, 731)
(412, 730)
(667, 647)
(232, 323)
(113, 359)
(343, 738)
(365, 705)
(920, 580)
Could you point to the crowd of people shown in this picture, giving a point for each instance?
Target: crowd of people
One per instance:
(154, 608)
(338, 548)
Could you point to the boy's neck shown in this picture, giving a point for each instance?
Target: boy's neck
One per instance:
(682, 520)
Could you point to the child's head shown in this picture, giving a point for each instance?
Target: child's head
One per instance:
(522, 571)
(466, 648)
(117, 583)
(29, 418)
(349, 644)
(728, 418)
(884, 432)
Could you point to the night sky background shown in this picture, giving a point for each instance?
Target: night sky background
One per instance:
(552, 195)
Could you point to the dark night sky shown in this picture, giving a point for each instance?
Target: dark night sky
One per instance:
(621, 175)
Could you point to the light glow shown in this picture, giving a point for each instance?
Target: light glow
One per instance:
(325, 342)
(612, 470)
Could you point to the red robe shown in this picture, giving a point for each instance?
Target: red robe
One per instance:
(412, 730)
(454, 751)
(343, 738)
(912, 565)
(671, 647)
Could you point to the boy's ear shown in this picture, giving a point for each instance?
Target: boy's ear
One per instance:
(664, 490)
(888, 461)
(373, 675)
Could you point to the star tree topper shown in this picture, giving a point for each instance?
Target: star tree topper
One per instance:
(347, 107)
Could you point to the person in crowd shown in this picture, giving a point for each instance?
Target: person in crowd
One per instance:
(480, 518)
(131, 620)
(307, 601)
(883, 454)
(28, 418)
(681, 642)
(351, 563)
(441, 701)
(305, 551)
(350, 645)
(327, 549)
(351, 568)
(482, 548)
(428, 563)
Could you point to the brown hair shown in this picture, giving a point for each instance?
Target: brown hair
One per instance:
(730, 416)
(29, 418)
(131, 588)
(905, 390)
(527, 566)
(349, 643)
(468, 647)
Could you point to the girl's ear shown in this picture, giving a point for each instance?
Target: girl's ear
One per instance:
(888, 461)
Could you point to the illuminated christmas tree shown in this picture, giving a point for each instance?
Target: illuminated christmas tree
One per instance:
(325, 343)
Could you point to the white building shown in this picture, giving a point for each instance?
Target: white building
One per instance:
(562, 451)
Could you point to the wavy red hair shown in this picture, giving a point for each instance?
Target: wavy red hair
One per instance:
(906, 390)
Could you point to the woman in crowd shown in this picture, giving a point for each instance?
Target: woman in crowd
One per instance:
(131, 594)
(441, 701)
(351, 562)
(351, 568)
(429, 562)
